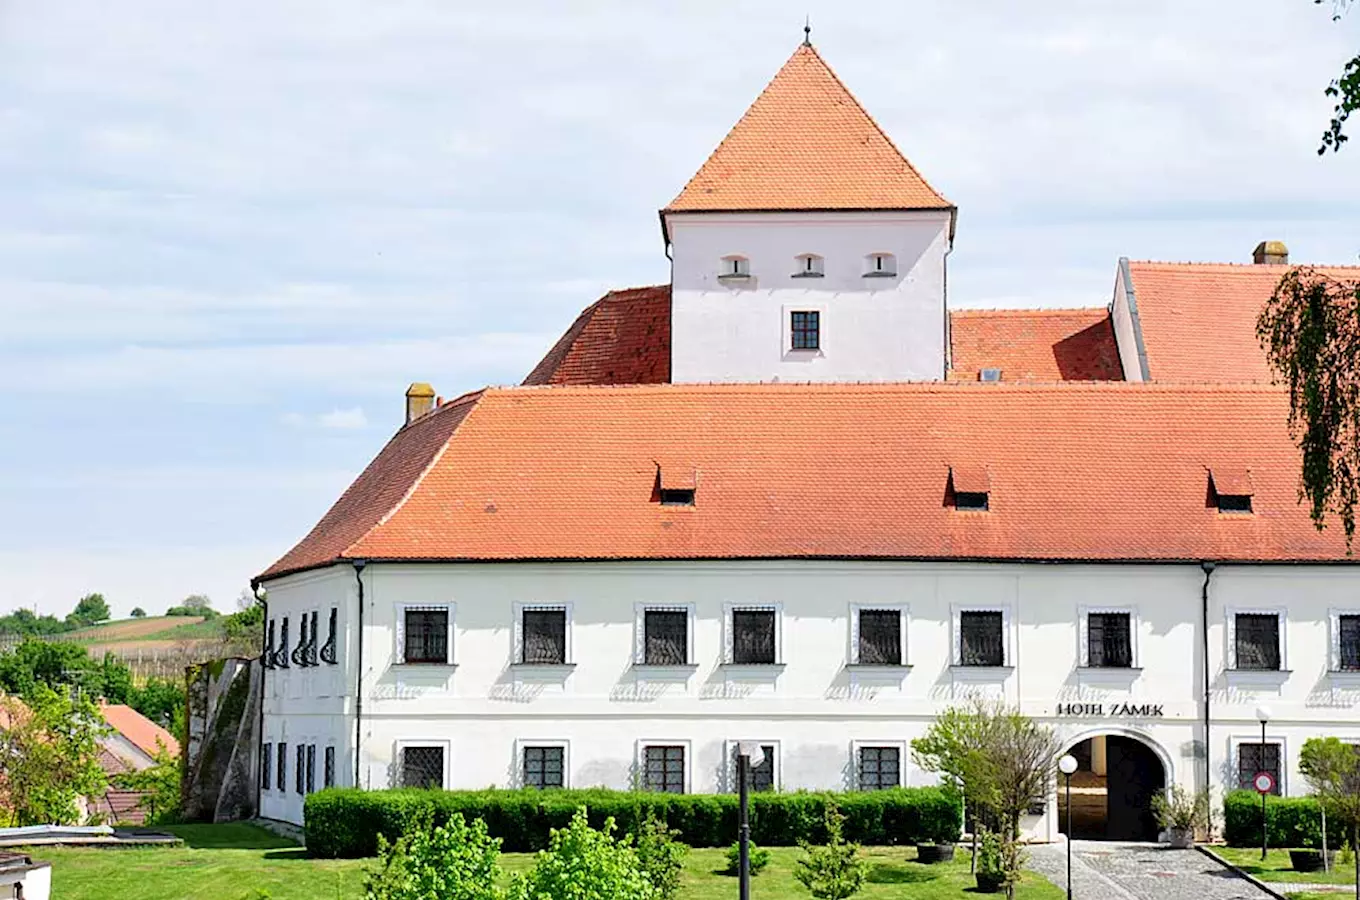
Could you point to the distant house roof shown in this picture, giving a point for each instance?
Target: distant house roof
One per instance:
(140, 731)
(1034, 344)
(622, 338)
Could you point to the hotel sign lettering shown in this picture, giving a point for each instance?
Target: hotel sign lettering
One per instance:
(1116, 710)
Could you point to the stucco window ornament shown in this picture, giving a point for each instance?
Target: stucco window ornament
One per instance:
(880, 265)
(328, 650)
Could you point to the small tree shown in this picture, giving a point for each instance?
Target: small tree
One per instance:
(138, 612)
(661, 856)
(1024, 757)
(455, 861)
(584, 864)
(835, 871)
(50, 749)
(955, 746)
(89, 609)
(159, 785)
(1325, 764)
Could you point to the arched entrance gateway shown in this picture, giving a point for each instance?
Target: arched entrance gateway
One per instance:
(1117, 776)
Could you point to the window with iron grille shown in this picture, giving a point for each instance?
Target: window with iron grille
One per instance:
(1109, 642)
(545, 636)
(328, 650)
(426, 636)
(268, 657)
(281, 655)
(328, 775)
(758, 778)
(665, 637)
(543, 767)
(980, 639)
(1255, 758)
(311, 768)
(422, 767)
(1349, 640)
(1258, 641)
(300, 770)
(753, 636)
(805, 329)
(663, 769)
(880, 637)
(879, 768)
(282, 780)
(266, 765)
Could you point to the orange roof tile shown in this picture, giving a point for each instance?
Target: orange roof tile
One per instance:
(1034, 344)
(1075, 471)
(144, 734)
(806, 143)
(622, 338)
(1199, 319)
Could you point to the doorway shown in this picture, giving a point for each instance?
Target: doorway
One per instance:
(1112, 790)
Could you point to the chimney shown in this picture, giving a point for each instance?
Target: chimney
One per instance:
(1270, 253)
(419, 401)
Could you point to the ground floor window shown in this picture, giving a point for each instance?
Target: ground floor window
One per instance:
(311, 768)
(422, 767)
(544, 767)
(282, 780)
(300, 770)
(880, 768)
(328, 776)
(759, 778)
(663, 769)
(1254, 758)
(266, 765)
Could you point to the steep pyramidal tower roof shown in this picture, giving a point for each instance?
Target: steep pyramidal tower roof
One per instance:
(806, 143)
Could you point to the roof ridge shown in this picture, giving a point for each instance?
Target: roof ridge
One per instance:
(915, 387)
(1245, 266)
(1023, 310)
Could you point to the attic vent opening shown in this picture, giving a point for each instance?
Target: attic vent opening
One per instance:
(1231, 490)
(810, 265)
(970, 488)
(971, 500)
(677, 496)
(675, 484)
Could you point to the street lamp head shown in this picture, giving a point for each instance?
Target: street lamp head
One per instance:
(1067, 765)
(753, 751)
(1263, 714)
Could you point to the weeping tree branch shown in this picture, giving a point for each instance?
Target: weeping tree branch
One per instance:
(1345, 90)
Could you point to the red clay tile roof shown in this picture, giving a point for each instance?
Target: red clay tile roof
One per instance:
(137, 728)
(806, 143)
(622, 338)
(1098, 471)
(1199, 319)
(1034, 344)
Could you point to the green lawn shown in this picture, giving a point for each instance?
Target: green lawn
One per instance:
(233, 862)
(1277, 868)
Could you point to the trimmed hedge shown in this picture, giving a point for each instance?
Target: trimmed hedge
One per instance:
(346, 822)
(1290, 822)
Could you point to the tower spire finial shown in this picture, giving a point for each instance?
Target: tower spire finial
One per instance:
(807, 31)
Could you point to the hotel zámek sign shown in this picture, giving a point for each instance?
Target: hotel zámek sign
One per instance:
(1117, 710)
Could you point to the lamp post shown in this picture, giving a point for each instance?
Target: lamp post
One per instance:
(1067, 765)
(1263, 716)
(749, 754)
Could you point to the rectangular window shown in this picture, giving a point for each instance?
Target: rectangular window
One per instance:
(1255, 758)
(266, 765)
(545, 636)
(805, 329)
(1258, 641)
(328, 776)
(753, 636)
(311, 768)
(282, 780)
(313, 646)
(269, 646)
(328, 649)
(663, 769)
(880, 768)
(427, 636)
(759, 778)
(1349, 639)
(880, 637)
(665, 637)
(1109, 641)
(422, 767)
(980, 639)
(300, 651)
(282, 657)
(300, 770)
(544, 767)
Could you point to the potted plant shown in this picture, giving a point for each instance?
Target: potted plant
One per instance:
(1180, 812)
(932, 852)
(1310, 860)
(991, 869)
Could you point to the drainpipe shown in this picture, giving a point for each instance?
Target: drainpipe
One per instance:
(1208, 568)
(359, 670)
(261, 597)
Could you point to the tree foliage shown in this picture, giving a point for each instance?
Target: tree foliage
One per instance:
(90, 609)
(455, 861)
(28, 623)
(138, 613)
(1310, 330)
(1327, 765)
(833, 871)
(159, 785)
(50, 745)
(1345, 90)
(582, 863)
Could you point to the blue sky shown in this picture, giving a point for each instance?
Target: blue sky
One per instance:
(232, 233)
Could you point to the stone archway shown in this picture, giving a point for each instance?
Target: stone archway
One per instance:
(1118, 774)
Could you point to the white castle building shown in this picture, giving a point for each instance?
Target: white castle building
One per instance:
(791, 498)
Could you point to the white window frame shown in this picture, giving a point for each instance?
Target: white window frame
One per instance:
(1334, 640)
(399, 649)
(904, 617)
(398, 760)
(786, 330)
(1236, 740)
(871, 263)
(1084, 634)
(1007, 644)
(1230, 615)
(522, 743)
(640, 758)
(517, 647)
(735, 266)
(640, 611)
(777, 607)
(902, 760)
(810, 265)
(730, 762)
(335, 766)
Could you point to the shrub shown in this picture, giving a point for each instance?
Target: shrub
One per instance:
(661, 856)
(833, 871)
(990, 860)
(582, 863)
(456, 861)
(757, 857)
(1290, 821)
(346, 822)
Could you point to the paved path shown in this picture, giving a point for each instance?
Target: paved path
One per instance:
(1102, 870)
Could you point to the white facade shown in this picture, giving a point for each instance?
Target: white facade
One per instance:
(815, 706)
(876, 281)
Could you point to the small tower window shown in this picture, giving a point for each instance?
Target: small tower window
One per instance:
(735, 268)
(810, 265)
(881, 265)
(805, 329)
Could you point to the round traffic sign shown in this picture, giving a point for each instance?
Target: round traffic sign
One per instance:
(1264, 783)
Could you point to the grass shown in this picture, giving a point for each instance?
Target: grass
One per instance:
(1277, 867)
(235, 862)
(191, 630)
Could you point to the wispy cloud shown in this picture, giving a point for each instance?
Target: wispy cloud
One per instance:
(346, 419)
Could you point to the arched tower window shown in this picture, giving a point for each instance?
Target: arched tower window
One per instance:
(880, 265)
(735, 268)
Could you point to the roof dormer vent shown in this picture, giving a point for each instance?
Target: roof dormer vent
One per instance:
(970, 488)
(1230, 490)
(676, 484)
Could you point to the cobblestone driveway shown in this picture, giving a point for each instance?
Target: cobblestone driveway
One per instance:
(1111, 871)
